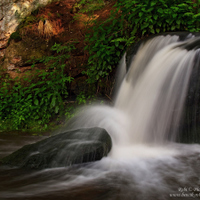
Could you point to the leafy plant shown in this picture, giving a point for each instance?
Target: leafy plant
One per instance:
(130, 21)
(153, 16)
(42, 98)
(87, 6)
(81, 99)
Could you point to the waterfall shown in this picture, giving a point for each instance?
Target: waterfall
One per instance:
(153, 92)
(150, 99)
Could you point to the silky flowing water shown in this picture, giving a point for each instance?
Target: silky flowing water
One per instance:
(145, 161)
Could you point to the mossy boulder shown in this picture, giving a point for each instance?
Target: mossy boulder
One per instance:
(64, 149)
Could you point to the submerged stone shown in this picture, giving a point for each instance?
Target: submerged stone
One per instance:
(65, 149)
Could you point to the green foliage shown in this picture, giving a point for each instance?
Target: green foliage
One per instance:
(150, 17)
(35, 12)
(87, 6)
(29, 20)
(69, 111)
(130, 21)
(15, 36)
(81, 99)
(22, 107)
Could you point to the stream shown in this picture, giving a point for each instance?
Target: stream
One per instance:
(156, 174)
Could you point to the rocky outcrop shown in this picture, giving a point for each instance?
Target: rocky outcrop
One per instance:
(11, 14)
(35, 35)
(18, 54)
(34, 38)
(65, 149)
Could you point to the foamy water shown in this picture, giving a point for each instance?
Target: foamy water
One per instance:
(151, 173)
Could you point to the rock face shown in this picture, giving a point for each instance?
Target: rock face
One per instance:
(18, 53)
(65, 149)
(11, 14)
(36, 34)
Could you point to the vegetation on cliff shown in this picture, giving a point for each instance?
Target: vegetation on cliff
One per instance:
(43, 94)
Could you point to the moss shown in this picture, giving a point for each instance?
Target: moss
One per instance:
(15, 36)
(30, 19)
(35, 12)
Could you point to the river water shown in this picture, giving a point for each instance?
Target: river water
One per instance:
(159, 173)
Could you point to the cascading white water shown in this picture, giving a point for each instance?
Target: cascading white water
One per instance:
(150, 99)
(154, 102)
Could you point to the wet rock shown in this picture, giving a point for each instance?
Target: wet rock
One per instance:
(65, 149)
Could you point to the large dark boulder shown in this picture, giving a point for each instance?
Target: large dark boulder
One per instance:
(65, 149)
